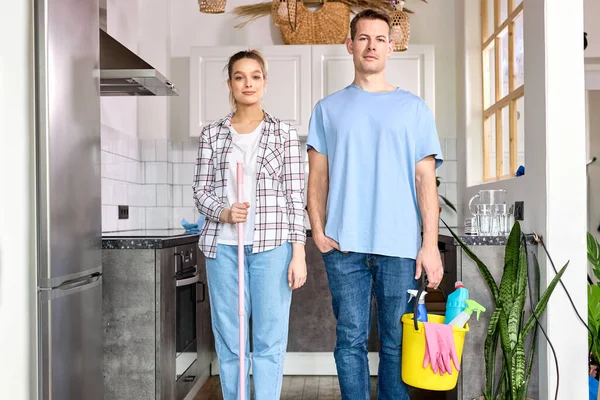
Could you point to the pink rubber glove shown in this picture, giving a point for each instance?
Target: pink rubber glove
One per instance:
(439, 348)
(432, 346)
(448, 349)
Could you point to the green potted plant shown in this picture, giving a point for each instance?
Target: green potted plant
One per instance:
(593, 256)
(508, 329)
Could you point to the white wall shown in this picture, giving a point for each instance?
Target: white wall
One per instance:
(593, 177)
(592, 27)
(17, 213)
(554, 187)
(430, 25)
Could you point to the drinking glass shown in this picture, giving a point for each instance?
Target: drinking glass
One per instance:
(500, 220)
(484, 219)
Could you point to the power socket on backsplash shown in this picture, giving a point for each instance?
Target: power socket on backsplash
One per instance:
(519, 210)
(123, 212)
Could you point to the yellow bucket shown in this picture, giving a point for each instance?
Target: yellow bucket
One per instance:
(413, 352)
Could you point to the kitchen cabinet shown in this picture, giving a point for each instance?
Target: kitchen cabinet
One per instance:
(298, 76)
(158, 340)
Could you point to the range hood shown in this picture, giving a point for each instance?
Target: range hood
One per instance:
(123, 73)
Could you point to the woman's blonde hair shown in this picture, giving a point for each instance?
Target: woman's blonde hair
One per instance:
(241, 55)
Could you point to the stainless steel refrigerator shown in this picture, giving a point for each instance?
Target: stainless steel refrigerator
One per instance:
(69, 269)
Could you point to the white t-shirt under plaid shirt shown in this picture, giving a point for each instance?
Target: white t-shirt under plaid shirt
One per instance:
(245, 150)
(279, 180)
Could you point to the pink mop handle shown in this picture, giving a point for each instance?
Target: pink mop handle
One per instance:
(241, 309)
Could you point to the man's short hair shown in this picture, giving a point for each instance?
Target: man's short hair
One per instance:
(369, 14)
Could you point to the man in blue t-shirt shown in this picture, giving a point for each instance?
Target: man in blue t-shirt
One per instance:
(373, 152)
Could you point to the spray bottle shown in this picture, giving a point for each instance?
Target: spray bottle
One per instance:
(456, 302)
(421, 310)
(462, 318)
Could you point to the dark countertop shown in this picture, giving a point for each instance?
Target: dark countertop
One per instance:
(161, 238)
(470, 240)
(147, 239)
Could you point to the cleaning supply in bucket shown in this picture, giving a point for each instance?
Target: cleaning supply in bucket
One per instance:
(462, 318)
(440, 350)
(421, 310)
(456, 301)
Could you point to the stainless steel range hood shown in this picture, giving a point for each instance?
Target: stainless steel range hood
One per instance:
(123, 73)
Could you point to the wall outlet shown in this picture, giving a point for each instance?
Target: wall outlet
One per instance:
(519, 210)
(123, 212)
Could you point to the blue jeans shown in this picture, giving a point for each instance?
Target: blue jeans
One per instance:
(353, 279)
(267, 298)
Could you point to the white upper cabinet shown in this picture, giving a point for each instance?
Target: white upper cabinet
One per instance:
(298, 77)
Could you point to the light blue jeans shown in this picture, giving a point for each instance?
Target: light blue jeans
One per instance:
(267, 299)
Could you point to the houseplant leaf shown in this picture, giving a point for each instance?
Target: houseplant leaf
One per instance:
(535, 332)
(448, 202)
(491, 341)
(516, 311)
(485, 272)
(518, 368)
(593, 251)
(506, 351)
(511, 264)
(541, 306)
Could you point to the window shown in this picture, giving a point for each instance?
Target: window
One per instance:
(503, 91)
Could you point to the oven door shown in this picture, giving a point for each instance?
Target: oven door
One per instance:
(185, 323)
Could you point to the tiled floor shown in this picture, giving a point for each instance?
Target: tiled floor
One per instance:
(312, 388)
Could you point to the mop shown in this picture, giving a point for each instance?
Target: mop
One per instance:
(241, 312)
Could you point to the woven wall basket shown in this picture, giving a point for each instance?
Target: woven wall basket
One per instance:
(400, 28)
(328, 25)
(212, 6)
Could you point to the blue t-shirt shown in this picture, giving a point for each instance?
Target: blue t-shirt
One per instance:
(372, 141)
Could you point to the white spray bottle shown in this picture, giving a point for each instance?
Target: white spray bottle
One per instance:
(462, 318)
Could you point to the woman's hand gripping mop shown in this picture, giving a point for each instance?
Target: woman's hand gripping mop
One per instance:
(241, 306)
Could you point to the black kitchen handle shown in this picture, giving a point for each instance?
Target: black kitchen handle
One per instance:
(203, 292)
(422, 288)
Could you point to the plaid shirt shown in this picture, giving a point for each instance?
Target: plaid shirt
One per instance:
(279, 185)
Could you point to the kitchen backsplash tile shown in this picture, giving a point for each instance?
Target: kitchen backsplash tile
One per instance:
(148, 147)
(175, 152)
(164, 196)
(150, 196)
(161, 150)
(177, 196)
(188, 196)
(158, 217)
(154, 178)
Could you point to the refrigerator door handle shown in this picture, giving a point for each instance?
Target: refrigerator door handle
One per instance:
(75, 283)
(72, 286)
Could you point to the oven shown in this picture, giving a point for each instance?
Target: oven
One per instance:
(187, 292)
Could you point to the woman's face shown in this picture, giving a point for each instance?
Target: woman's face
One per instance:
(247, 82)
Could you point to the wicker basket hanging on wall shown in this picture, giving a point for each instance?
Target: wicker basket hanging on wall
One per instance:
(400, 27)
(212, 6)
(298, 25)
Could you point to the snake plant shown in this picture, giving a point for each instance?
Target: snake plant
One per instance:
(508, 329)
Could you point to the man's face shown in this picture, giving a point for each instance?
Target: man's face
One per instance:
(371, 46)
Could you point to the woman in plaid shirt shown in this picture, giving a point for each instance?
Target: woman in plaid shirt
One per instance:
(273, 217)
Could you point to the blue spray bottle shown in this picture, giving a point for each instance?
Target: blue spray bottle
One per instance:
(456, 302)
(421, 310)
